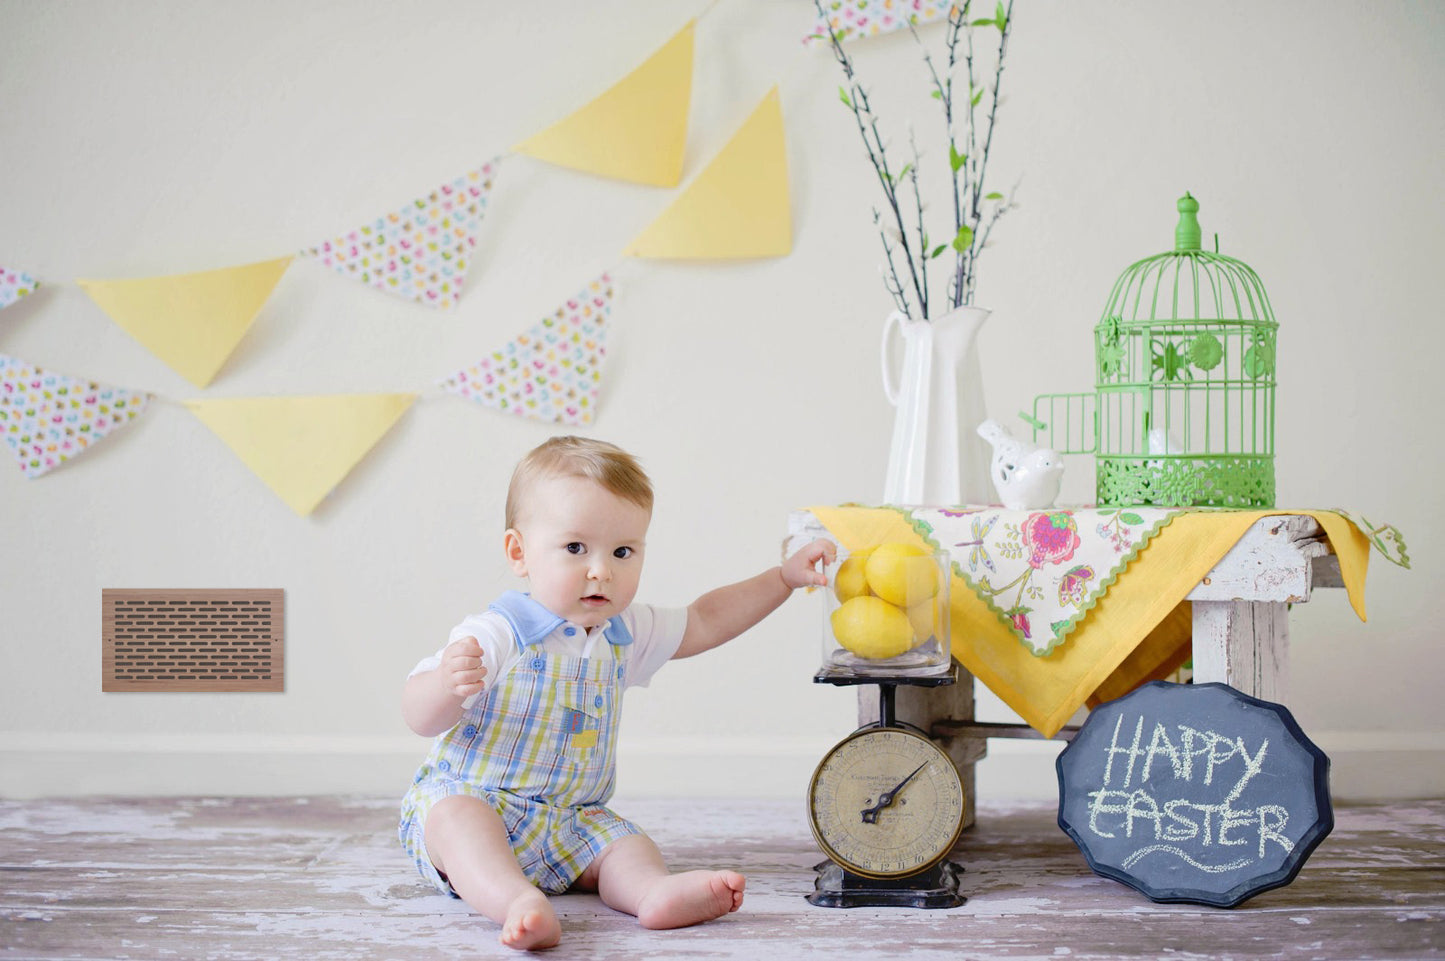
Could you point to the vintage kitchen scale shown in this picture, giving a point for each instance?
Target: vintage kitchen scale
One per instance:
(886, 805)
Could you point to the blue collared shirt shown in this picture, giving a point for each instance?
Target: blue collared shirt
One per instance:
(532, 623)
(517, 624)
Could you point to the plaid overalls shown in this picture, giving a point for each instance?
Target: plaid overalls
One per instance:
(540, 746)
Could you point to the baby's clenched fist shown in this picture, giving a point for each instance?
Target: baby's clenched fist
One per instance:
(462, 667)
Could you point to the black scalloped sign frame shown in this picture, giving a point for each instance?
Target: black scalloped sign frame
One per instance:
(1194, 793)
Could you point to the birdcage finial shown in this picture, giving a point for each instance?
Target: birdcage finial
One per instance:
(1187, 234)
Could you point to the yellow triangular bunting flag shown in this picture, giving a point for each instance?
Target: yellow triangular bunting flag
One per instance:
(190, 321)
(302, 447)
(738, 206)
(636, 130)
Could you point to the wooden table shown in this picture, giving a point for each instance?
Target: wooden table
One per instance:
(1240, 632)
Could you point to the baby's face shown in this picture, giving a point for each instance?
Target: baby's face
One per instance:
(580, 547)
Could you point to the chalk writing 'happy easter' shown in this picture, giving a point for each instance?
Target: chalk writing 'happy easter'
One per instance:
(1152, 793)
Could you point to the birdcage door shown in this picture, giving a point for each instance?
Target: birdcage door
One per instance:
(1068, 422)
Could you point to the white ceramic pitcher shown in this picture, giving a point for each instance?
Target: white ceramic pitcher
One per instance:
(936, 457)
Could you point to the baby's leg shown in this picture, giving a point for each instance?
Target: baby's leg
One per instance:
(630, 876)
(468, 843)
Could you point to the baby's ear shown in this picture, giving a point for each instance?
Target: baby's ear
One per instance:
(516, 555)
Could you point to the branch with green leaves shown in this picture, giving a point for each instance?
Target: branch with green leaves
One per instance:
(975, 211)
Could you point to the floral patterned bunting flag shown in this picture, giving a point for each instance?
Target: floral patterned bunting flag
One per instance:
(869, 18)
(422, 251)
(15, 284)
(49, 418)
(553, 372)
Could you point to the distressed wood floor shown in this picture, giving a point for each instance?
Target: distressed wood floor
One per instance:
(323, 878)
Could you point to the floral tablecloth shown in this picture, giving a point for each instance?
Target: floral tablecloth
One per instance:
(1039, 571)
(1042, 610)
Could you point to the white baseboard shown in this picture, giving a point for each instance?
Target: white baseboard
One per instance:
(69, 765)
(1365, 765)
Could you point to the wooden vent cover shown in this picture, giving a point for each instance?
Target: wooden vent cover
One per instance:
(192, 640)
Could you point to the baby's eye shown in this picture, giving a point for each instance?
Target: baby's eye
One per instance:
(623, 552)
(576, 547)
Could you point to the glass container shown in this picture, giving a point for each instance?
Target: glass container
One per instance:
(885, 611)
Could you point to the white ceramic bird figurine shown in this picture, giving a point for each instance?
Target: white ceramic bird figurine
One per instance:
(1026, 476)
(1164, 443)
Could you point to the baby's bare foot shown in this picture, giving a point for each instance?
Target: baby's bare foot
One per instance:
(691, 898)
(531, 924)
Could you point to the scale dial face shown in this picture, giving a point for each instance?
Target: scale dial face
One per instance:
(886, 803)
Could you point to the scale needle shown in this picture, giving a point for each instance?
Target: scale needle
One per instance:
(870, 815)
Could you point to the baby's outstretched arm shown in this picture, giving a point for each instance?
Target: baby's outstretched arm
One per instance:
(432, 701)
(721, 615)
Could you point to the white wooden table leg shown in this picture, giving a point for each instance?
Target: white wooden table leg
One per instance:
(1244, 644)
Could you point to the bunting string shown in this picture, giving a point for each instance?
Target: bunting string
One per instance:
(737, 206)
(302, 447)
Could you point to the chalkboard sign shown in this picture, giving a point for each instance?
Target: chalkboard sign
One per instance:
(1194, 792)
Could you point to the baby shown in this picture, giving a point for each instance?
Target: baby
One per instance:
(524, 700)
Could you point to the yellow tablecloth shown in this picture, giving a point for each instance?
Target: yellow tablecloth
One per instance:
(1138, 631)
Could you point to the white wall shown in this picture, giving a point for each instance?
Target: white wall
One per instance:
(159, 137)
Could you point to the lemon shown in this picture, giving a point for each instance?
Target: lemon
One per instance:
(851, 581)
(902, 574)
(871, 627)
(922, 617)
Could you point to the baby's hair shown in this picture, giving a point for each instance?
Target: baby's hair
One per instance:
(606, 465)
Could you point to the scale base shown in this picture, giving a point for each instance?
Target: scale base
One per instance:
(837, 887)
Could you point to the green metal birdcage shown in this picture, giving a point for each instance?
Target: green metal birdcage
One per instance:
(1182, 412)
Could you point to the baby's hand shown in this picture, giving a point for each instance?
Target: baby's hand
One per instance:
(800, 570)
(462, 668)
